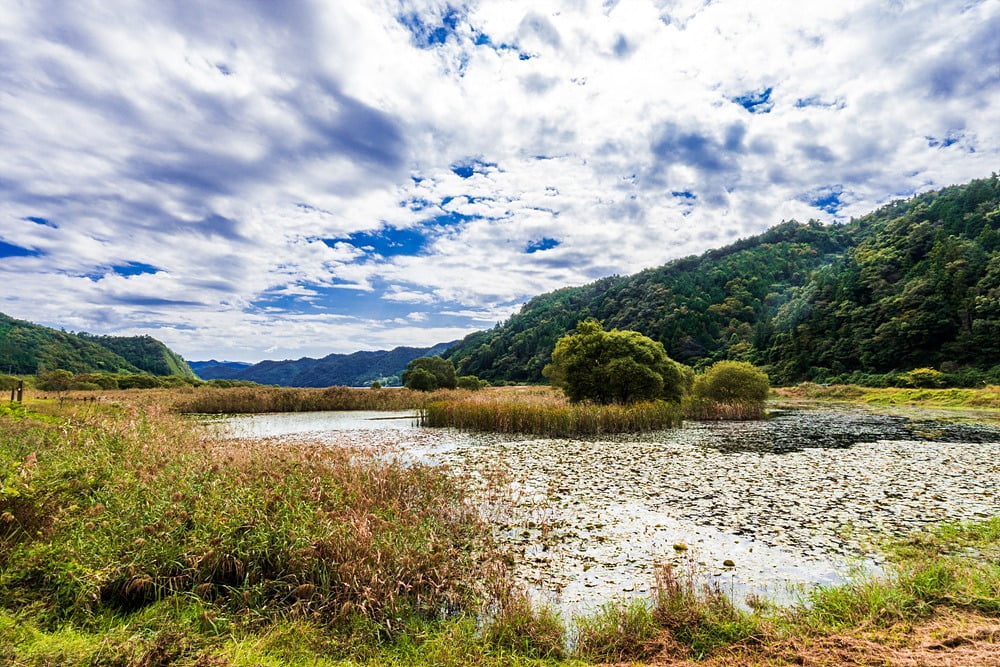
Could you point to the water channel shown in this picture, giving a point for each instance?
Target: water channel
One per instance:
(764, 508)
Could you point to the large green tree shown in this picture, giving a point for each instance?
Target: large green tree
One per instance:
(613, 366)
(441, 370)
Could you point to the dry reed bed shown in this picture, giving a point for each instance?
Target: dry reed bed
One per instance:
(542, 411)
(248, 400)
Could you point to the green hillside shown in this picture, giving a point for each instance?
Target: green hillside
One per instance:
(915, 283)
(146, 353)
(28, 349)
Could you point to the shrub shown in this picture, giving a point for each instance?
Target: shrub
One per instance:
(472, 383)
(84, 386)
(376, 385)
(613, 367)
(137, 382)
(732, 382)
(923, 378)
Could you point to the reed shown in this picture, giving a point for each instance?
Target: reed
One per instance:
(250, 400)
(547, 414)
(707, 410)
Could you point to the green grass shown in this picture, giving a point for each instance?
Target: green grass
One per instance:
(985, 398)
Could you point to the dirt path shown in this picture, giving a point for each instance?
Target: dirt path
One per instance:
(950, 640)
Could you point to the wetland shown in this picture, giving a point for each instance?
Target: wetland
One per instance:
(764, 508)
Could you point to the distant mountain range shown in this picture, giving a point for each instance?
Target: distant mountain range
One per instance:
(27, 349)
(359, 369)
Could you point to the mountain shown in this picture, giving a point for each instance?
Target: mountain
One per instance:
(915, 283)
(353, 370)
(197, 366)
(27, 348)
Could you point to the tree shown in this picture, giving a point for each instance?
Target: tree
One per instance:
(57, 380)
(613, 366)
(421, 379)
(442, 370)
(733, 382)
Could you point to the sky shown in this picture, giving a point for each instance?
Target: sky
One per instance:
(271, 180)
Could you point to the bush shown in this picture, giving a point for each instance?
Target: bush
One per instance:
(613, 367)
(84, 386)
(376, 385)
(732, 382)
(924, 378)
(472, 383)
(137, 382)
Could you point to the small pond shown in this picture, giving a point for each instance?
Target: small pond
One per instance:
(798, 499)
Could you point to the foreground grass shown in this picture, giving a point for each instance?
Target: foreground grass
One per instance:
(128, 538)
(986, 398)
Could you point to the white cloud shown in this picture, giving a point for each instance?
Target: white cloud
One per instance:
(238, 153)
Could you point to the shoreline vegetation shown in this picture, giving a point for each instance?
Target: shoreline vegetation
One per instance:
(130, 537)
(982, 398)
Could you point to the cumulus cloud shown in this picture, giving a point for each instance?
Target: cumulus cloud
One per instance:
(306, 178)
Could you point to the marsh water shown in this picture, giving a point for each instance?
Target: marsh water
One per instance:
(764, 508)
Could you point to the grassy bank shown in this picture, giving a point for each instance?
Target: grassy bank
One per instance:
(984, 398)
(544, 411)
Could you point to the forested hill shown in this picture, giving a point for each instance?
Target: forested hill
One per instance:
(915, 283)
(353, 370)
(27, 348)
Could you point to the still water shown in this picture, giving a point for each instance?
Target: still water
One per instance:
(801, 498)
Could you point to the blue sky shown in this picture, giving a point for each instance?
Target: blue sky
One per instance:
(300, 178)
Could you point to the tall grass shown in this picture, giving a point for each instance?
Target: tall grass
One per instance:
(547, 414)
(708, 410)
(108, 510)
